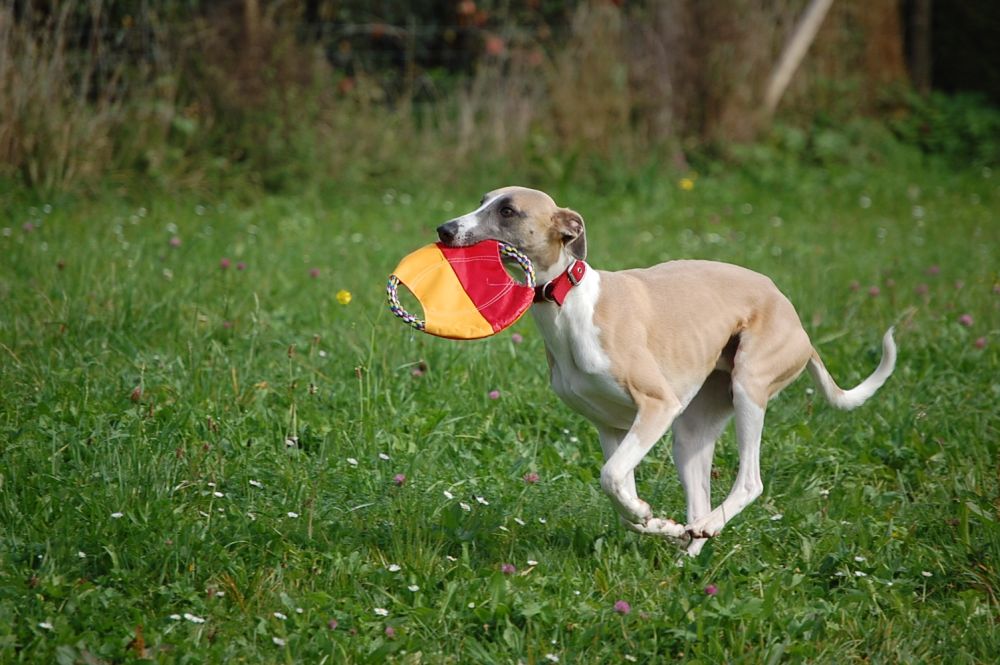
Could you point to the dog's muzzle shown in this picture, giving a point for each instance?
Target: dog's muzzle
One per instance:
(447, 232)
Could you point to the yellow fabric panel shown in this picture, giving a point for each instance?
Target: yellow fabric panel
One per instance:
(448, 310)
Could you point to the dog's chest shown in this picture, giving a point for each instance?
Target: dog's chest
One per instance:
(582, 374)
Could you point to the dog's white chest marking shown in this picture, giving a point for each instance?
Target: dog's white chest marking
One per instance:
(581, 369)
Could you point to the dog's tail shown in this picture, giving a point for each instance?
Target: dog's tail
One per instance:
(855, 397)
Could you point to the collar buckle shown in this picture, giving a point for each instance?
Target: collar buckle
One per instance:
(555, 289)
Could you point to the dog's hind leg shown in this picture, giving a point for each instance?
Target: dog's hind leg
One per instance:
(767, 358)
(695, 433)
(748, 485)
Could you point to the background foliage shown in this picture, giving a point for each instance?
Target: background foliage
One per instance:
(190, 94)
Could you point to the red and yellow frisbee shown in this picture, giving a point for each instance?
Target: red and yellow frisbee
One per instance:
(465, 292)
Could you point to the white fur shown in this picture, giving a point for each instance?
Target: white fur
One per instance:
(581, 370)
(469, 221)
(855, 397)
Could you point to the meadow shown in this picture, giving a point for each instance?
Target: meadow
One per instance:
(217, 445)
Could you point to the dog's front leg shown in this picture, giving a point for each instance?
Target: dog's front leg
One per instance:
(655, 414)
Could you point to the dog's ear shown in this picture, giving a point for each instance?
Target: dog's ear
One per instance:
(570, 226)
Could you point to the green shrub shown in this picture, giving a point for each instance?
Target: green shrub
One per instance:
(961, 127)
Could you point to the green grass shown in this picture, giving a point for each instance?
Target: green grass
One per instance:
(141, 378)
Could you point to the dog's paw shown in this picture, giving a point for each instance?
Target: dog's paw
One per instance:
(659, 526)
(662, 526)
(635, 512)
(707, 527)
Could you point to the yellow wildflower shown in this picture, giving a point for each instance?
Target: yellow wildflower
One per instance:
(687, 184)
(343, 296)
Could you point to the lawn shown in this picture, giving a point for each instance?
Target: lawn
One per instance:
(217, 445)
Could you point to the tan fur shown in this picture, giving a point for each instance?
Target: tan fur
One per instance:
(683, 315)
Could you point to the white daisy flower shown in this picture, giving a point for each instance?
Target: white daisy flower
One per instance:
(256, 483)
(117, 516)
(394, 568)
(279, 615)
(218, 495)
(45, 625)
(292, 514)
(448, 495)
(352, 461)
(414, 588)
(532, 562)
(193, 619)
(383, 456)
(926, 573)
(466, 507)
(859, 558)
(175, 617)
(858, 573)
(381, 611)
(82, 554)
(278, 641)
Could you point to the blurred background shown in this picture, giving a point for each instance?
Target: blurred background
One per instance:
(186, 93)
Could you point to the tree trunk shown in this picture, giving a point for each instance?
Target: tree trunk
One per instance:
(251, 22)
(792, 56)
(920, 47)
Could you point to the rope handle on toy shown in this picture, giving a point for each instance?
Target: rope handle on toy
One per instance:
(392, 288)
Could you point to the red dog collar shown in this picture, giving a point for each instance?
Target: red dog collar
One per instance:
(555, 290)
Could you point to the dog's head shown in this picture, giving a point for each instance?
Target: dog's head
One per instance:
(527, 219)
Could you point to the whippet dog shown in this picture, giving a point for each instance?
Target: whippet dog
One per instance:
(684, 345)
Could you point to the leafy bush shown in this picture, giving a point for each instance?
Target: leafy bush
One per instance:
(961, 127)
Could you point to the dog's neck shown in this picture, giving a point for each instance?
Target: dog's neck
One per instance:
(545, 274)
(559, 283)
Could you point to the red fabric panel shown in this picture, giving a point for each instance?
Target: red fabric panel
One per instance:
(499, 298)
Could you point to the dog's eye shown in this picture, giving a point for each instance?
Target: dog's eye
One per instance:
(506, 211)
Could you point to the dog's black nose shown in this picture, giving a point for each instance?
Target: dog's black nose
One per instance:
(447, 232)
